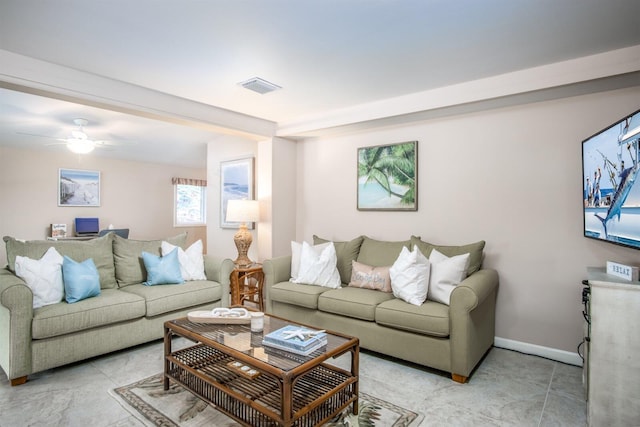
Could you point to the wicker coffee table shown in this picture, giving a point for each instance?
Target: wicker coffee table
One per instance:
(257, 385)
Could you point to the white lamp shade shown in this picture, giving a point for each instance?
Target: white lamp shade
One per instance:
(243, 211)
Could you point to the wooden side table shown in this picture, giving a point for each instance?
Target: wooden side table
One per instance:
(246, 285)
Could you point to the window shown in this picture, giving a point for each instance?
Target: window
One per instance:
(190, 201)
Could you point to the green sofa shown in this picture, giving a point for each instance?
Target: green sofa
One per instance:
(126, 313)
(450, 338)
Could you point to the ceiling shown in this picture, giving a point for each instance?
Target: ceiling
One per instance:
(326, 55)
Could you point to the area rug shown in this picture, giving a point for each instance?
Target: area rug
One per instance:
(152, 405)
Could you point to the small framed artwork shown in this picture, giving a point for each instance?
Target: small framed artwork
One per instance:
(78, 187)
(236, 182)
(388, 177)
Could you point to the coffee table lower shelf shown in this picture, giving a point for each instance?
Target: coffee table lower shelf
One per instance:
(317, 395)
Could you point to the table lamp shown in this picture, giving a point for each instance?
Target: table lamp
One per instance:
(243, 211)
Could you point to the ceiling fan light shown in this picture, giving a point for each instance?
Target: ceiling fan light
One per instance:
(78, 134)
(80, 146)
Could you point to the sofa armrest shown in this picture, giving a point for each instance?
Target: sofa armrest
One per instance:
(276, 270)
(472, 315)
(16, 315)
(473, 290)
(219, 270)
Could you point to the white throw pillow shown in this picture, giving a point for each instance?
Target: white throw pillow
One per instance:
(410, 276)
(446, 274)
(296, 250)
(43, 277)
(191, 260)
(318, 269)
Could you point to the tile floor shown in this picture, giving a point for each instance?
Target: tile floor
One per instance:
(508, 389)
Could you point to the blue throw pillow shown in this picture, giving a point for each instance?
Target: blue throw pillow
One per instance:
(162, 270)
(81, 279)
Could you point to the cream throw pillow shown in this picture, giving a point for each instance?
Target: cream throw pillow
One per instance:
(446, 274)
(296, 250)
(191, 260)
(318, 269)
(43, 277)
(410, 276)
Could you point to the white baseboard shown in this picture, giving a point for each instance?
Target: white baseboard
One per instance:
(538, 350)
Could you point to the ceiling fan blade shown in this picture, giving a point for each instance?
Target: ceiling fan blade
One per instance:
(104, 145)
(40, 136)
(114, 143)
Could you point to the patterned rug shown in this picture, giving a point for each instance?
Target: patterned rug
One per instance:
(153, 406)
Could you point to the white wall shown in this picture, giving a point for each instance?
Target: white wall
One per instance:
(511, 177)
(134, 195)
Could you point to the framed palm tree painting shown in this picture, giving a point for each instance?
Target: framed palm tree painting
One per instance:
(388, 177)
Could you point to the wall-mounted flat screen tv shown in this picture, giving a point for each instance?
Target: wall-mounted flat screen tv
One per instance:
(611, 192)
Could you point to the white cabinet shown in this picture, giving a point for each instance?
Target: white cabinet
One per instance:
(613, 362)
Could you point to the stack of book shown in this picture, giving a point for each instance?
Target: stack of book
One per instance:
(296, 339)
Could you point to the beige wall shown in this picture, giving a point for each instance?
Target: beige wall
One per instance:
(510, 176)
(275, 188)
(277, 195)
(138, 196)
(220, 240)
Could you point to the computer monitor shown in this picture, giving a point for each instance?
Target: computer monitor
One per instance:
(122, 232)
(87, 226)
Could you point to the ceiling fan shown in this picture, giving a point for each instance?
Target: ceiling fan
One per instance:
(78, 142)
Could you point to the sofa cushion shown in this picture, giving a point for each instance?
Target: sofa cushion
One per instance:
(410, 276)
(162, 270)
(111, 306)
(379, 253)
(191, 260)
(296, 254)
(446, 274)
(352, 302)
(99, 249)
(297, 294)
(318, 269)
(475, 251)
(162, 299)
(430, 318)
(127, 256)
(346, 253)
(368, 277)
(81, 280)
(43, 276)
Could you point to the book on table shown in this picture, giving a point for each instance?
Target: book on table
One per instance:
(58, 230)
(297, 339)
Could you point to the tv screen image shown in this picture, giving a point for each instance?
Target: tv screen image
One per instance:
(611, 193)
(87, 226)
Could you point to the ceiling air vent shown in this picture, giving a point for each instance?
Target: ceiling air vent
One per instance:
(259, 85)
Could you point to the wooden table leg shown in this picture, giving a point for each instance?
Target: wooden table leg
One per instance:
(287, 403)
(167, 352)
(355, 366)
(235, 288)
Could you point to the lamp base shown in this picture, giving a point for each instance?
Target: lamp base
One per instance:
(243, 240)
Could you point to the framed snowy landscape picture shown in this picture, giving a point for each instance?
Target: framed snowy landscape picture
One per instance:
(388, 177)
(78, 187)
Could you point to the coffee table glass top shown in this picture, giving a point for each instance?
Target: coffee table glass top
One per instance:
(241, 339)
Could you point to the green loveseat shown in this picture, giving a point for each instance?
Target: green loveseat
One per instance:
(126, 312)
(450, 338)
